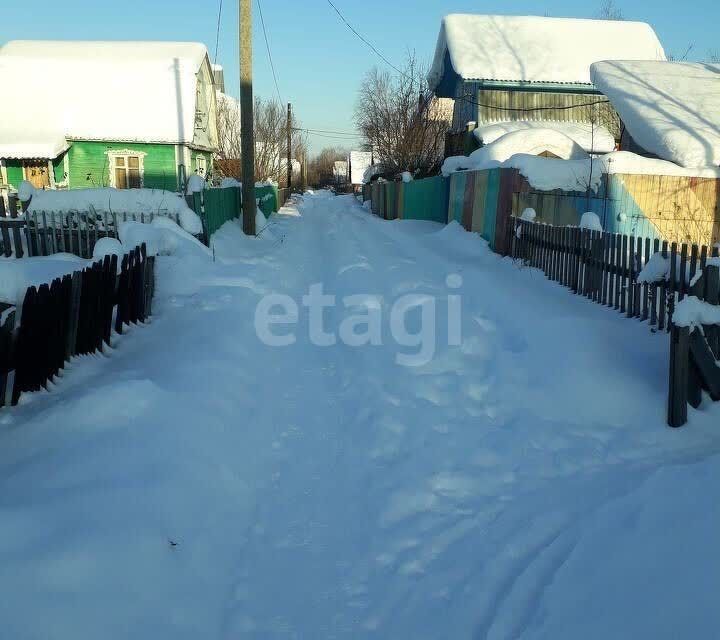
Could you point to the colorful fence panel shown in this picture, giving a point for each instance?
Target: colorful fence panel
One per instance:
(480, 202)
(216, 207)
(425, 199)
(673, 208)
(268, 199)
(676, 208)
(390, 191)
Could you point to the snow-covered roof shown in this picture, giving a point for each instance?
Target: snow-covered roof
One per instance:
(671, 109)
(593, 139)
(536, 49)
(125, 91)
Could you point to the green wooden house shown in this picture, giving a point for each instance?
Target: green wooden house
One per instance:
(531, 69)
(105, 114)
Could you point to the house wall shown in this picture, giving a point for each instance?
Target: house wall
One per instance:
(496, 102)
(59, 169)
(14, 172)
(205, 133)
(89, 164)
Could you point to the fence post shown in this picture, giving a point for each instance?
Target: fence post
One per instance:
(712, 296)
(679, 372)
(6, 357)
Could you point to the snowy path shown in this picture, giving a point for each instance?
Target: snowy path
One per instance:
(519, 486)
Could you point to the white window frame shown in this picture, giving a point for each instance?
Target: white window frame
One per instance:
(201, 160)
(125, 153)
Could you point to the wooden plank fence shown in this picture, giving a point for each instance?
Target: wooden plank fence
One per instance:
(605, 268)
(47, 232)
(71, 316)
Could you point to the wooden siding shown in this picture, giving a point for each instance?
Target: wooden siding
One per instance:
(497, 102)
(675, 208)
(89, 164)
(59, 168)
(14, 172)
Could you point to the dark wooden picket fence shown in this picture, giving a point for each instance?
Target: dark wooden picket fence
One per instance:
(71, 316)
(77, 232)
(605, 267)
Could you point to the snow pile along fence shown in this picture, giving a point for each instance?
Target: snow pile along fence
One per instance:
(641, 278)
(72, 315)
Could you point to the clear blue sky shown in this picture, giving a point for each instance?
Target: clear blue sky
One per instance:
(319, 62)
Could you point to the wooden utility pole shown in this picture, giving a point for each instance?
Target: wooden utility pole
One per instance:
(289, 146)
(247, 135)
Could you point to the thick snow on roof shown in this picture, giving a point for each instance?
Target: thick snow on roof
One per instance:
(537, 49)
(125, 91)
(671, 109)
(573, 174)
(595, 139)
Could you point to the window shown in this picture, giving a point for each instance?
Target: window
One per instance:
(201, 165)
(127, 171)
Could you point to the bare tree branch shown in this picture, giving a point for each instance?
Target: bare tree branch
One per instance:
(401, 121)
(270, 122)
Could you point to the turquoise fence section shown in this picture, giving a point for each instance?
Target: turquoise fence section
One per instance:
(268, 198)
(456, 198)
(426, 199)
(624, 215)
(216, 206)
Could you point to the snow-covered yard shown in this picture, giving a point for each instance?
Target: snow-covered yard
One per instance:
(196, 483)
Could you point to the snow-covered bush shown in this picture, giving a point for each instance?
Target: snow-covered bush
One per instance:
(195, 183)
(528, 214)
(591, 220)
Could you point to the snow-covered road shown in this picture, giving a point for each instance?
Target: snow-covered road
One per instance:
(196, 483)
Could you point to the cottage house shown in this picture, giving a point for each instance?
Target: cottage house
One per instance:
(517, 72)
(117, 114)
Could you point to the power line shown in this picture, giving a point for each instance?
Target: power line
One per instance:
(342, 133)
(330, 137)
(267, 46)
(217, 33)
(369, 44)
(531, 109)
(463, 98)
